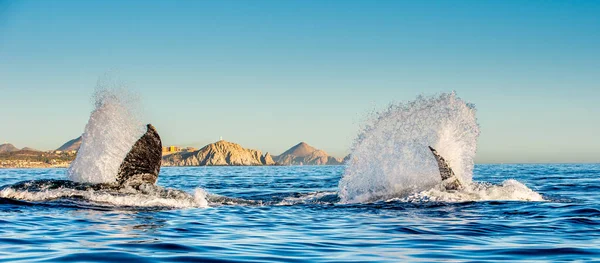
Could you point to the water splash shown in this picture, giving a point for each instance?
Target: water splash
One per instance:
(110, 133)
(390, 157)
(200, 197)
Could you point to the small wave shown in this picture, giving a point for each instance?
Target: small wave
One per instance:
(311, 198)
(219, 200)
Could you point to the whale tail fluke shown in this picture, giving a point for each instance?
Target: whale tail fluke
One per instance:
(142, 163)
(449, 180)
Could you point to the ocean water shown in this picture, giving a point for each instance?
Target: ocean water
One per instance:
(294, 214)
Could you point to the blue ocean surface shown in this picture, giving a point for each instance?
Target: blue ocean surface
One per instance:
(292, 214)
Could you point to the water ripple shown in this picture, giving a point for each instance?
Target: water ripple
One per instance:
(299, 219)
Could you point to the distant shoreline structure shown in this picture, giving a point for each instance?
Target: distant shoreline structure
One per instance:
(220, 153)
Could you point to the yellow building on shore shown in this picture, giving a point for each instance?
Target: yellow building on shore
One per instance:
(170, 149)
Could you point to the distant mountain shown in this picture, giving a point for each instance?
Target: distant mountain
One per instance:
(29, 149)
(72, 145)
(220, 153)
(304, 154)
(7, 147)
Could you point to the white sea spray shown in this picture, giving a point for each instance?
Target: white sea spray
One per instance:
(113, 128)
(391, 158)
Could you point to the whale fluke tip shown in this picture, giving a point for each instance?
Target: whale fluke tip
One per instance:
(449, 180)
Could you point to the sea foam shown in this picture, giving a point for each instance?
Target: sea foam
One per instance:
(509, 190)
(151, 196)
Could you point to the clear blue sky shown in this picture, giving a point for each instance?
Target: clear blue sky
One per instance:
(268, 74)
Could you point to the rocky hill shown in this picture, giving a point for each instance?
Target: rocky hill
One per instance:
(72, 145)
(304, 154)
(7, 147)
(220, 153)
